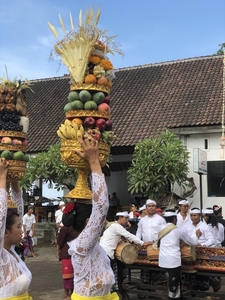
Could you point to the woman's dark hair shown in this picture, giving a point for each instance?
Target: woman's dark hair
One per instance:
(11, 216)
(77, 218)
(211, 219)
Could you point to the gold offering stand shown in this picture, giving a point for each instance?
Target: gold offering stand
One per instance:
(16, 168)
(16, 171)
(73, 160)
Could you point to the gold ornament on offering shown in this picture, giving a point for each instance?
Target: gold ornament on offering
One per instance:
(88, 109)
(70, 158)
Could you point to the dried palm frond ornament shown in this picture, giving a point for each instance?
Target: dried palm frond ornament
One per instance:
(222, 139)
(76, 46)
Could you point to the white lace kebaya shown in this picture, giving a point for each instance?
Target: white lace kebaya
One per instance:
(93, 275)
(15, 277)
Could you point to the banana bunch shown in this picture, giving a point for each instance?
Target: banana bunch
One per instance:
(68, 131)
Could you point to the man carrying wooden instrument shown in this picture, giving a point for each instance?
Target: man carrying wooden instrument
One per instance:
(111, 238)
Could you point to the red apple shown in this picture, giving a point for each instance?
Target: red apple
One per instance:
(108, 125)
(24, 143)
(16, 142)
(100, 124)
(107, 100)
(104, 107)
(89, 122)
(6, 140)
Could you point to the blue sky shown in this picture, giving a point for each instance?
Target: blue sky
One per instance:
(149, 31)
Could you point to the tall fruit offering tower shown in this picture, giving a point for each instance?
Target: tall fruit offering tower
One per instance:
(14, 124)
(87, 114)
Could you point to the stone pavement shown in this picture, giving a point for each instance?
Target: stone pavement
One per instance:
(46, 270)
(47, 281)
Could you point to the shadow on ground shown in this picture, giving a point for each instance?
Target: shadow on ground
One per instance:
(47, 283)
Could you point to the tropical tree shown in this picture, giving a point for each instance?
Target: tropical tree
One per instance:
(157, 165)
(48, 166)
(221, 50)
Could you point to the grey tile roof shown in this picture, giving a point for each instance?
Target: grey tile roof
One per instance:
(144, 101)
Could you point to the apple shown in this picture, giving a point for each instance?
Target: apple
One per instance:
(6, 140)
(100, 124)
(108, 125)
(107, 100)
(89, 122)
(16, 142)
(24, 143)
(104, 107)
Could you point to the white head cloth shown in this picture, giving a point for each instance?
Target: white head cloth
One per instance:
(195, 211)
(169, 214)
(61, 203)
(207, 211)
(122, 214)
(149, 201)
(181, 202)
(142, 208)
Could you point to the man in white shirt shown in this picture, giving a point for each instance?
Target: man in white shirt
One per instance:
(150, 225)
(28, 230)
(148, 229)
(206, 239)
(111, 238)
(183, 218)
(217, 230)
(215, 227)
(58, 217)
(169, 253)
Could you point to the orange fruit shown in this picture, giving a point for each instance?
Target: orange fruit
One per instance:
(102, 81)
(78, 121)
(109, 83)
(90, 78)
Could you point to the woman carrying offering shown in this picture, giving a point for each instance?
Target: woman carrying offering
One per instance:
(93, 276)
(15, 277)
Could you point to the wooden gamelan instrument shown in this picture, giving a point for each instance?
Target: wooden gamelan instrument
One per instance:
(193, 258)
(126, 252)
(188, 253)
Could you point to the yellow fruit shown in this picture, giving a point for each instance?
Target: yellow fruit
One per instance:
(67, 122)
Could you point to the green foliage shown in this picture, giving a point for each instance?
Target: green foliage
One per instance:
(221, 50)
(158, 163)
(48, 165)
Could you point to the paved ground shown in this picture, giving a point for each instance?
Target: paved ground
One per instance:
(47, 280)
(46, 270)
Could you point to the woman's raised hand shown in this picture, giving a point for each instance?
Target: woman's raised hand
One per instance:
(90, 153)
